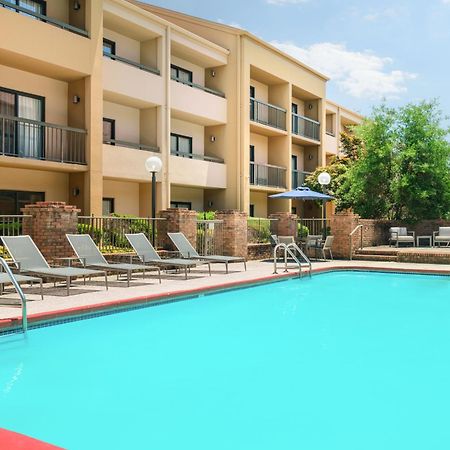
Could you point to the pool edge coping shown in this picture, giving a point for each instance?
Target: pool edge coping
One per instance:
(14, 323)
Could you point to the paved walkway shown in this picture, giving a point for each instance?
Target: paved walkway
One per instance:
(95, 297)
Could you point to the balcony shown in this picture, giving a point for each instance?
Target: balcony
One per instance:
(130, 83)
(43, 18)
(298, 178)
(267, 175)
(120, 143)
(306, 127)
(267, 114)
(30, 139)
(197, 104)
(187, 169)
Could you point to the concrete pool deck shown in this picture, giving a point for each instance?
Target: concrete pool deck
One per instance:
(93, 297)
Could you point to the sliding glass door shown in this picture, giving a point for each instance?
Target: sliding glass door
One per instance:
(22, 138)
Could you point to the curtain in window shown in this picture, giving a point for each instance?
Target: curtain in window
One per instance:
(29, 134)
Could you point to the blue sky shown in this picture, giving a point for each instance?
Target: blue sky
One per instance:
(398, 50)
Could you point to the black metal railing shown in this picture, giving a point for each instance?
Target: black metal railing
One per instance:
(267, 175)
(209, 237)
(299, 177)
(330, 133)
(306, 127)
(195, 156)
(132, 63)
(267, 114)
(120, 143)
(312, 227)
(12, 225)
(43, 18)
(198, 86)
(26, 138)
(108, 232)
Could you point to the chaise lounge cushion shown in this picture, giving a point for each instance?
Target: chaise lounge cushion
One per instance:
(400, 234)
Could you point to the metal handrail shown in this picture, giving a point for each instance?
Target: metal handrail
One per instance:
(196, 156)
(120, 143)
(19, 290)
(360, 227)
(47, 19)
(306, 127)
(308, 119)
(302, 254)
(287, 250)
(132, 63)
(122, 218)
(198, 86)
(270, 105)
(267, 175)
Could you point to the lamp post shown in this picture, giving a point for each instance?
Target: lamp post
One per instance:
(324, 180)
(153, 166)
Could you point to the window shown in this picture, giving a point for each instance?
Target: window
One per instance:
(295, 121)
(252, 210)
(20, 138)
(180, 74)
(109, 130)
(252, 165)
(176, 204)
(35, 6)
(108, 206)
(11, 202)
(109, 47)
(180, 145)
(294, 162)
(252, 91)
(293, 210)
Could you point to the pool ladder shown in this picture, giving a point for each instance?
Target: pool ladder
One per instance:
(292, 250)
(23, 299)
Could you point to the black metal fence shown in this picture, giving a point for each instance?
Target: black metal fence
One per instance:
(210, 237)
(267, 175)
(267, 114)
(304, 126)
(11, 225)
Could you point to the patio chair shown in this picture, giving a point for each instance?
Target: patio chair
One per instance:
(90, 256)
(401, 235)
(4, 279)
(147, 254)
(311, 241)
(29, 259)
(323, 246)
(442, 236)
(187, 251)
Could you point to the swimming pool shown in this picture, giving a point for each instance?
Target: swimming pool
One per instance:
(344, 360)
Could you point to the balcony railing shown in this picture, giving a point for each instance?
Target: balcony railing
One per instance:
(43, 18)
(267, 114)
(267, 175)
(195, 156)
(306, 127)
(198, 86)
(132, 63)
(330, 133)
(26, 138)
(120, 143)
(298, 178)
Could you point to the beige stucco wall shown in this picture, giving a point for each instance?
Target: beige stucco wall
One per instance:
(125, 195)
(298, 150)
(54, 184)
(261, 90)
(196, 132)
(261, 144)
(185, 194)
(198, 73)
(125, 46)
(127, 121)
(54, 91)
(259, 199)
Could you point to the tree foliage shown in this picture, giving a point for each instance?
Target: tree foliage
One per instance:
(396, 166)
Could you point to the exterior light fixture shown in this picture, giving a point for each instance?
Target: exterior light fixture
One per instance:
(153, 165)
(76, 99)
(324, 179)
(76, 5)
(212, 138)
(213, 73)
(310, 106)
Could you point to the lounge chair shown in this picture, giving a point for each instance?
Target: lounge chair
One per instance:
(90, 256)
(147, 254)
(4, 279)
(187, 251)
(441, 237)
(323, 246)
(401, 235)
(29, 259)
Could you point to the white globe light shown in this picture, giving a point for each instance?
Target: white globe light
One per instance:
(153, 164)
(324, 178)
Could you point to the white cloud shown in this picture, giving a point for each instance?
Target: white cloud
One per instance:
(387, 13)
(446, 2)
(286, 2)
(359, 74)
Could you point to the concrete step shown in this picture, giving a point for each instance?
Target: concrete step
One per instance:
(374, 257)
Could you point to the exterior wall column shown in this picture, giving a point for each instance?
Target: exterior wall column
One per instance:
(49, 223)
(176, 220)
(234, 232)
(285, 224)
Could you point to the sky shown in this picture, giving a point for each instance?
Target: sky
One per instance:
(396, 51)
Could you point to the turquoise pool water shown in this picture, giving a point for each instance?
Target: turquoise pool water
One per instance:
(351, 361)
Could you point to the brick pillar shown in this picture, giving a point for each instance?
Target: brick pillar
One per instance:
(234, 232)
(342, 224)
(285, 224)
(177, 220)
(48, 226)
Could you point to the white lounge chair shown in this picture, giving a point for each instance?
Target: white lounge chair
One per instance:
(400, 235)
(441, 237)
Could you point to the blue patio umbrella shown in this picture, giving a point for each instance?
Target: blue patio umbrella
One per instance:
(303, 193)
